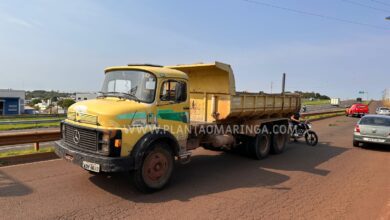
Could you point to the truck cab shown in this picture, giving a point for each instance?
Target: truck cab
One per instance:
(147, 115)
(136, 101)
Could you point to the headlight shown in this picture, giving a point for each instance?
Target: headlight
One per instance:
(309, 126)
(106, 137)
(105, 143)
(105, 148)
(110, 142)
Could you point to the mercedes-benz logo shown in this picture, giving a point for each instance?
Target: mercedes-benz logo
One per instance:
(76, 137)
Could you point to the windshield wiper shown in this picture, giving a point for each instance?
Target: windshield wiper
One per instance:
(133, 97)
(120, 95)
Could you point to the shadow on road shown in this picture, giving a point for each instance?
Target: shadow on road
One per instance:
(301, 157)
(376, 147)
(208, 174)
(11, 187)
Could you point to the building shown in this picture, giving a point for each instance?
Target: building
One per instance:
(12, 101)
(85, 96)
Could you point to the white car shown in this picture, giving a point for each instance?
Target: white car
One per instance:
(383, 111)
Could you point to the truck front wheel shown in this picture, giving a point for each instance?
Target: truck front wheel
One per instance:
(156, 169)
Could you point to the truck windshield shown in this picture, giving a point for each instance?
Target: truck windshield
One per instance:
(131, 84)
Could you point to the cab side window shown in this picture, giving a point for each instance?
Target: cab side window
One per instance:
(172, 90)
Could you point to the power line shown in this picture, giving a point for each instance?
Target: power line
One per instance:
(366, 6)
(315, 15)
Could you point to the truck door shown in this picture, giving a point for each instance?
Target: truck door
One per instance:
(173, 109)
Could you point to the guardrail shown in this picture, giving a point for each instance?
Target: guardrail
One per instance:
(29, 137)
(322, 112)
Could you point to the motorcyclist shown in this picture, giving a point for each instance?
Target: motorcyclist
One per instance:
(295, 120)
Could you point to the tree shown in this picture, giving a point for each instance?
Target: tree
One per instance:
(314, 95)
(54, 99)
(65, 103)
(35, 101)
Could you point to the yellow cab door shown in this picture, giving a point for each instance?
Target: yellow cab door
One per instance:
(173, 109)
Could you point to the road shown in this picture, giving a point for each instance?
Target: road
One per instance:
(329, 107)
(331, 181)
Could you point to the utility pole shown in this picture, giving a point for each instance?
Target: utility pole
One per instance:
(272, 85)
(284, 83)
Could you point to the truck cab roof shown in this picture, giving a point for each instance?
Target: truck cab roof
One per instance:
(159, 71)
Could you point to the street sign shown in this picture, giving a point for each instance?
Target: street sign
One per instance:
(361, 92)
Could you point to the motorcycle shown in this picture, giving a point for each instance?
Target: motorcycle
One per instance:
(304, 129)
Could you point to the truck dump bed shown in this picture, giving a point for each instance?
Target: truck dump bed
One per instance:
(213, 97)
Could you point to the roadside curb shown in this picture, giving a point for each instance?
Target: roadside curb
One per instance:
(28, 158)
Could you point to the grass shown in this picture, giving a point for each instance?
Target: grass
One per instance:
(316, 102)
(12, 153)
(28, 126)
(31, 118)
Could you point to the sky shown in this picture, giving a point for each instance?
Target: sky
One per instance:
(335, 47)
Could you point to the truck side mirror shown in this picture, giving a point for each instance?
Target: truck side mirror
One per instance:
(181, 92)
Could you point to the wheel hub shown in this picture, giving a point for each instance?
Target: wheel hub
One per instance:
(156, 166)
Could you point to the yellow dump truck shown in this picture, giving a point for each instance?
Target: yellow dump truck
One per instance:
(146, 116)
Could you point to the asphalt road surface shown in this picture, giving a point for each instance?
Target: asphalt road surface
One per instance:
(329, 107)
(331, 181)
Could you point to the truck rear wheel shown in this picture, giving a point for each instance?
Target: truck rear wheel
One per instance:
(156, 169)
(260, 146)
(279, 142)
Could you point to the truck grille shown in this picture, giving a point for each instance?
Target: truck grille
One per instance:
(81, 138)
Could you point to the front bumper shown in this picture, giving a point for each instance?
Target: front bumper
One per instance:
(107, 164)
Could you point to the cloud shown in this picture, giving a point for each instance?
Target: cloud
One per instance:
(20, 22)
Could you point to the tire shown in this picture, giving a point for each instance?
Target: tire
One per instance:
(279, 142)
(311, 138)
(156, 169)
(259, 146)
(356, 143)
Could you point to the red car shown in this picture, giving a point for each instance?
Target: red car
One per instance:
(357, 110)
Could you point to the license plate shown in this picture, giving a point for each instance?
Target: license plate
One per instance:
(374, 140)
(94, 167)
